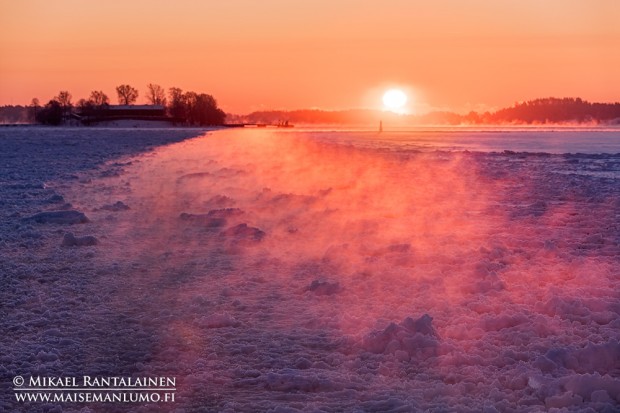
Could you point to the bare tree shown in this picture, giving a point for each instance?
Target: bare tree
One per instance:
(126, 94)
(84, 106)
(177, 106)
(156, 94)
(34, 105)
(98, 98)
(64, 98)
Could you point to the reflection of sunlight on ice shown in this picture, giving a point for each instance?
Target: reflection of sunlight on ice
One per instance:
(255, 252)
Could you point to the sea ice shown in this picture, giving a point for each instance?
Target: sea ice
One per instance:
(57, 217)
(70, 240)
(294, 270)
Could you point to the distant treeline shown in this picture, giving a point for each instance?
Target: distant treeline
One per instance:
(201, 109)
(551, 110)
(539, 111)
(16, 114)
(187, 108)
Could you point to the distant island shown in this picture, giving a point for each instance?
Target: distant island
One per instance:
(533, 112)
(179, 108)
(192, 109)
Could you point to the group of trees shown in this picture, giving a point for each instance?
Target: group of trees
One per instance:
(55, 111)
(194, 108)
(185, 108)
(97, 101)
(554, 110)
(541, 111)
(60, 107)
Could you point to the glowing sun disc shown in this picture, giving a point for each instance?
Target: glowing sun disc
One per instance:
(394, 99)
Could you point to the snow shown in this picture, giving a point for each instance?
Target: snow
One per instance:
(314, 271)
(133, 123)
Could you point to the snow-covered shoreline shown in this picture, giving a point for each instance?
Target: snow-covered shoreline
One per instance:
(270, 270)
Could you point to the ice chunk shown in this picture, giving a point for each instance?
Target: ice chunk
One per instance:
(324, 287)
(196, 175)
(600, 396)
(71, 240)
(46, 357)
(417, 338)
(219, 321)
(58, 217)
(421, 325)
(244, 232)
(567, 399)
(603, 358)
(115, 207)
(225, 213)
(585, 385)
(55, 199)
(288, 380)
(203, 219)
(544, 364)
(303, 363)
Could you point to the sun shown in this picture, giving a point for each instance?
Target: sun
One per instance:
(394, 100)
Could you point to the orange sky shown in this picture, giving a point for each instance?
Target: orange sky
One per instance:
(330, 54)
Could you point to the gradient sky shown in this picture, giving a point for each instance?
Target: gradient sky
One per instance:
(329, 54)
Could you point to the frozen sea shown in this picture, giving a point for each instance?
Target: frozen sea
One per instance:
(315, 270)
(552, 140)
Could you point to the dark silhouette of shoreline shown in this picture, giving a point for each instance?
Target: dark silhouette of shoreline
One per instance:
(534, 112)
(546, 111)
